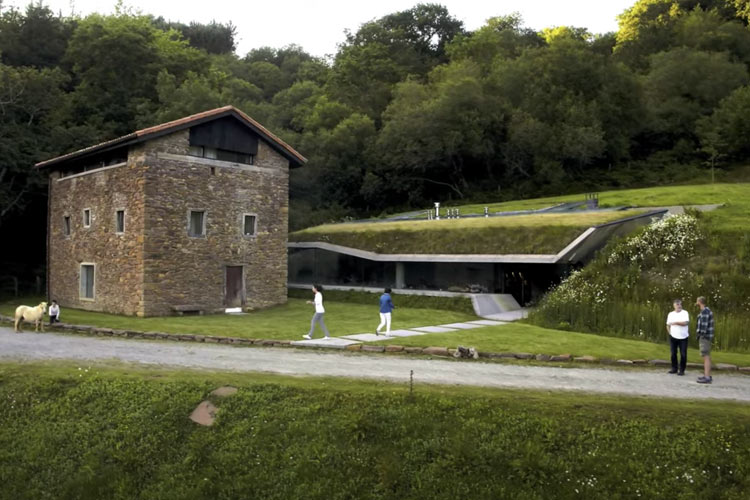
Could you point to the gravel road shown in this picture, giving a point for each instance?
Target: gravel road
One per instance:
(299, 362)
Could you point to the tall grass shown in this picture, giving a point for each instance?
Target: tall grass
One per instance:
(629, 288)
(645, 321)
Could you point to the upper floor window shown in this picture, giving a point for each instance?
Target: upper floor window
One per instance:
(197, 223)
(66, 225)
(221, 154)
(249, 223)
(120, 221)
(86, 217)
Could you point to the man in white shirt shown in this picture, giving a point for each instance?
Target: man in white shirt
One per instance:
(677, 327)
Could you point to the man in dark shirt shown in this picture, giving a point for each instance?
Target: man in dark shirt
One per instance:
(705, 334)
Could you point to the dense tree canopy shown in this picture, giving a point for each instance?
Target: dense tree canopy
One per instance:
(412, 108)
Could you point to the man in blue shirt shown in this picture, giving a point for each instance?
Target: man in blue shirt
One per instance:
(705, 334)
(386, 308)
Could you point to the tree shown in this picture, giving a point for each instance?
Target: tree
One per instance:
(116, 60)
(648, 26)
(683, 85)
(439, 136)
(385, 51)
(37, 38)
(199, 93)
(501, 38)
(724, 133)
(571, 107)
(214, 38)
(28, 98)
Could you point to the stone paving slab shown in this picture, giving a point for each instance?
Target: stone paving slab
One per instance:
(371, 337)
(461, 326)
(335, 342)
(366, 337)
(434, 329)
(487, 322)
(404, 333)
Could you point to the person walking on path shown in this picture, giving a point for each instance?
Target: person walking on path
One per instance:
(318, 316)
(705, 333)
(386, 308)
(54, 313)
(677, 327)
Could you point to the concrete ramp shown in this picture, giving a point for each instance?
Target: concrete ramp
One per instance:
(493, 303)
(502, 307)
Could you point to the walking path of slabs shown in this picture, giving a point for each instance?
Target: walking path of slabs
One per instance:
(347, 340)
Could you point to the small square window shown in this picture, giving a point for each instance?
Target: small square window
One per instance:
(66, 225)
(196, 151)
(197, 223)
(87, 217)
(87, 281)
(248, 226)
(120, 221)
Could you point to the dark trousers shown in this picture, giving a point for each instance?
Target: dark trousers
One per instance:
(53, 319)
(673, 345)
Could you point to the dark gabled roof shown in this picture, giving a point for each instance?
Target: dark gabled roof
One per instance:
(295, 159)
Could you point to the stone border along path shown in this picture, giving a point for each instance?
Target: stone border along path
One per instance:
(392, 369)
(355, 345)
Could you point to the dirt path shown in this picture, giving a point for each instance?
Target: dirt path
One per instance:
(28, 346)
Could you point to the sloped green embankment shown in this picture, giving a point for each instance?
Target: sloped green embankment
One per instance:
(627, 291)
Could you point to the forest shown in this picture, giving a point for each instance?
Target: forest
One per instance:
(411, 109)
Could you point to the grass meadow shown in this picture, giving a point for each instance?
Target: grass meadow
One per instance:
(80, 432)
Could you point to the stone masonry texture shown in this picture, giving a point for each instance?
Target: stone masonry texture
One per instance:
(155, 266)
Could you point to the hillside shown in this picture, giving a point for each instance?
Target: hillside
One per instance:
(628, 289)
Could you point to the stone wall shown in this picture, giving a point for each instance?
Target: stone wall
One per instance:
(155, 266)
(118, 257)
(180, 270)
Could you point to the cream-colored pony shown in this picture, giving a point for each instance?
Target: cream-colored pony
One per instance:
(32, 315)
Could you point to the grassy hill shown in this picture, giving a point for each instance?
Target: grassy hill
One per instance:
(72, 432)
(523, 234)
(628, 289)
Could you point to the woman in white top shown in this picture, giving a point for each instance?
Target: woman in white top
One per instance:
(319, 312)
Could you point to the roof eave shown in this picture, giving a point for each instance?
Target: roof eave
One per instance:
(295, 159)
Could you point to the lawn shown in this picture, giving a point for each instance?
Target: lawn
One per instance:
(736, 196)
(519, 337)
(124, 434)
(287, 322)
(524, 234)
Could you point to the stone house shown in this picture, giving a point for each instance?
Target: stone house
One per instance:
(187, 216)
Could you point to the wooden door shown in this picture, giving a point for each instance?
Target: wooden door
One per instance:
(233, 290)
